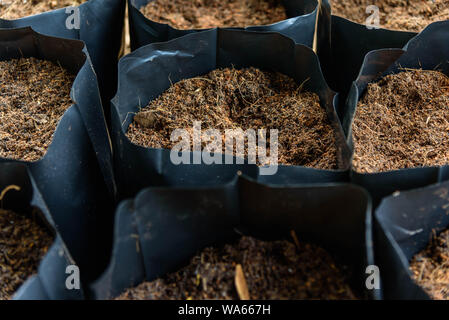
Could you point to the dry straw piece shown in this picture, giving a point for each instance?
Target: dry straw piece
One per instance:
(203, 14)
(268, 270)
(240, 283)
(15, 9)
(402, 121)
(34, 94)
(242, 99)
(6, 190)
(409, 15)
(430, 267)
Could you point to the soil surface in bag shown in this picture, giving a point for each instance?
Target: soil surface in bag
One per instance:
(34, 94)
(402, 122)
(242, 99)
(203, 14)
(430, 267)
(271, 270)
(23, 243)
(406, 15)
(15, 9)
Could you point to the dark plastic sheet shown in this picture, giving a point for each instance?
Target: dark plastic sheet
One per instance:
(429, 50)
(49, 282)
(162, 228)
(300, 26)
(350, 42)
(101, 24)
(150, 70)
(404, 225)
(75, 176)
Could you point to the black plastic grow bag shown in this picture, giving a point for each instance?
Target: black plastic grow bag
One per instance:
(350, 42)
(49, 282)
(75, 176)
(430, 51)
(162, 228)
(150, 70)
(300, 26)
(405, 223)
(101, 24)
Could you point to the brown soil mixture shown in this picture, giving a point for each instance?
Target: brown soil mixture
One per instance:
(246, 99)
(402, 121)
(23, 243)
(272, 270)
(203, 14)
(15, 9)
(430, 267)
(34, 95)
(407, 15)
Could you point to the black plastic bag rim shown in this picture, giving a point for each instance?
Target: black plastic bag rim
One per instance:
(429, 26)
(131, 54)
(366, 59)
(263, 184)
(397, 248)
(206, 29)
(47, 217)
(398, 170)
(360, 94)
(73, 105)
(43, 215)
(139, 201)
(135, 52)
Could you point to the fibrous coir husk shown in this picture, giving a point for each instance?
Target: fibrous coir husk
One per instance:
(23, 243)
(203, 14)
(245, 99)
(15, 9)
(430, 267)
(409, 15)
(272, 270)
(402, 121)
(34, 94)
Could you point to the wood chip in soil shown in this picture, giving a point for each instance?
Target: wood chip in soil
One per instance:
(15, 9)
(23, 243)
(402, 121)
(407, 15)
(34, 94)
(430, 267)
(246, 99)
(272, 270)
(203, 14)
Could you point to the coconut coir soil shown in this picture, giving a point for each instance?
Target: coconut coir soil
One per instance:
(430, 267)
(246, 99)
(15, 9)
(407, 15)
(402, 121)
(203, 14)
(34, 94)
(23, 243)
(272, 270)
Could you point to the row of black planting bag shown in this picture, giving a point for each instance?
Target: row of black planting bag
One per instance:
(107, 193)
